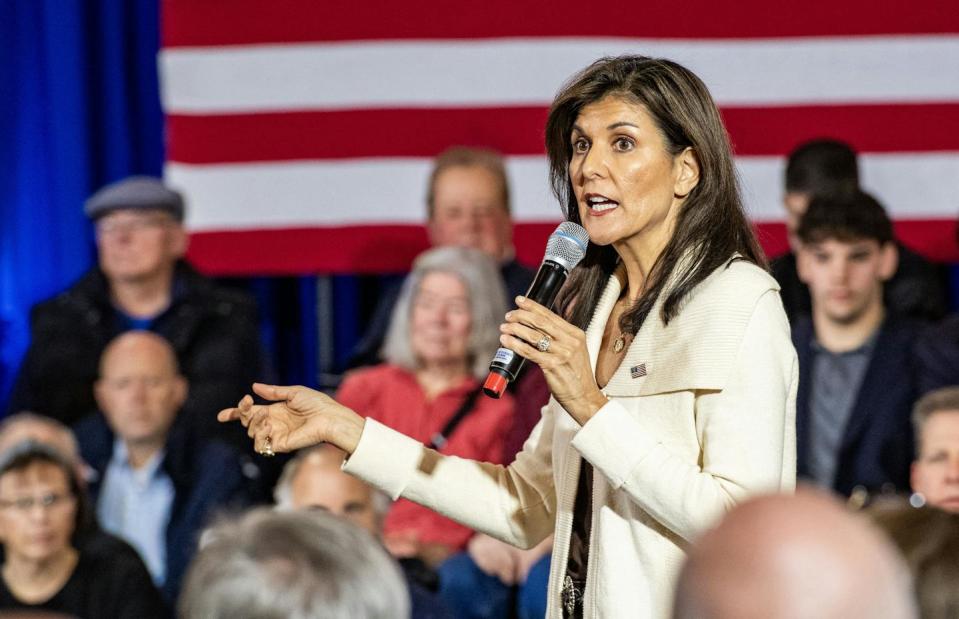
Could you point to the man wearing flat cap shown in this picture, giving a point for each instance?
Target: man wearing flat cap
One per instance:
(141, 281)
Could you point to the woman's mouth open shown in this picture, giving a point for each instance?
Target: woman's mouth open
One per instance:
(599, 204)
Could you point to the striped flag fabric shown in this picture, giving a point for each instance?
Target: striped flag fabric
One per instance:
(301, 132)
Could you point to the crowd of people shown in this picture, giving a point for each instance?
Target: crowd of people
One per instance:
(121, 495)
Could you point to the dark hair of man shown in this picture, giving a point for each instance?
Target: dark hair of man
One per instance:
(711, 226)
(928, 539)
(464, 157)
(937, 401)
(822, 167)
(847, 217)
(22, 455)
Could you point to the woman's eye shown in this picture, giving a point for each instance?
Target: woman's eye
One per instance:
(580, 146)
(622, 144)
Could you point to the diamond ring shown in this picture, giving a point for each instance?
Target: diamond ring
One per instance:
(543, 344)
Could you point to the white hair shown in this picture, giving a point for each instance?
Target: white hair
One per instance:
(487, 299)
(292, 565)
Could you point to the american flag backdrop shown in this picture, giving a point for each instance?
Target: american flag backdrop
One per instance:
(301, 132)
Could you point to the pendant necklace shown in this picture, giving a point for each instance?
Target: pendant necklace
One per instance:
(619, 343)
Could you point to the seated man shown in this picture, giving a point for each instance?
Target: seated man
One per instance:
(793, 557)
(825, 167)
(155, 488)
(314, 479)
(856, 370)
(140, 282)
(935, 472)
(467, 205)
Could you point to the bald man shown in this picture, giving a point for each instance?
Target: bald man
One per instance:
(794, 557)
(154, 487)
(314, 480)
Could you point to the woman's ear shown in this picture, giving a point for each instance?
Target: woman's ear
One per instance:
(687, 177)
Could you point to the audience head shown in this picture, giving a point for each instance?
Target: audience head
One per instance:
(468, 202)
(139, 228)
(43, 511)
(140, 389)
(935, 472)
(814, 168)
(314, 479)
(275, 564)
(846, 254)
(448, 312)
(795, 557)
(25, 425)
(928, 538)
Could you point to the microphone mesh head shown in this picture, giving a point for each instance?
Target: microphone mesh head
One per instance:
(567, 245)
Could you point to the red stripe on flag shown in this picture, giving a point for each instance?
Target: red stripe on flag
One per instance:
(379, 249)
(245, 22)
(351, 134)
(235, 138)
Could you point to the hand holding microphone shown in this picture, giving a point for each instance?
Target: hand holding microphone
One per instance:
(564, 249)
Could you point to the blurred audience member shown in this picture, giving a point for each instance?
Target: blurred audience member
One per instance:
(826, 167)
(793, 557)
(140, 282)
(22, 427)
(314, 479)
(493, 580)
(468, 205)
(928, 538)
(857, 382)
(443, 333)
(156, 488)
(292, 564)
(27, 426)
(935, 472)
(43, 518)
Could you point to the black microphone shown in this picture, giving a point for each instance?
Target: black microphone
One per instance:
(564, 249)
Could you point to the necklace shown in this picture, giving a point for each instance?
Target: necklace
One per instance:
(619, 343)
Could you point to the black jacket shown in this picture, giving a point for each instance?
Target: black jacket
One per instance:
(207, 476)
(877, 444)
(213, 330)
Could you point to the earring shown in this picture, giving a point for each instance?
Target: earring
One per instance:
(916, 499)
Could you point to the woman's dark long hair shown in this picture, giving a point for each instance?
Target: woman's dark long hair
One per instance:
(711, 226)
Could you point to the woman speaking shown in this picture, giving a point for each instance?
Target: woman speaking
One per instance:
(672, 374)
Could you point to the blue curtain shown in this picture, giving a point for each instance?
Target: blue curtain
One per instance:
(79, 107)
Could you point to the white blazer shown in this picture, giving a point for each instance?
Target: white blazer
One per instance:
(701, 414)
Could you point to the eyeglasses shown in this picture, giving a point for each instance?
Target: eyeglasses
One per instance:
(24, 504)
(115, 226)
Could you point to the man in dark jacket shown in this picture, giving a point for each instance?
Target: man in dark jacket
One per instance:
(825, 167)
(141, 282)
(857, 379)
(155, 486)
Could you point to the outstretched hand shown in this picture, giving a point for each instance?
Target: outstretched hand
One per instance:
(297, 417)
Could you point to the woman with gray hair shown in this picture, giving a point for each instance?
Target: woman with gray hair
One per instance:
(442, 335)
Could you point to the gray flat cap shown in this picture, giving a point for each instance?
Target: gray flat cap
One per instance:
(135, 192)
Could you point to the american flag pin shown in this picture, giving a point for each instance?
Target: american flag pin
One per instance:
(637, 371)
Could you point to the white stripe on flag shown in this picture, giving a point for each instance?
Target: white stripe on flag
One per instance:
(378, 191)
(504, 72)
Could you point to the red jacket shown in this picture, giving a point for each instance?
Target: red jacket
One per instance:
(392, 396)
